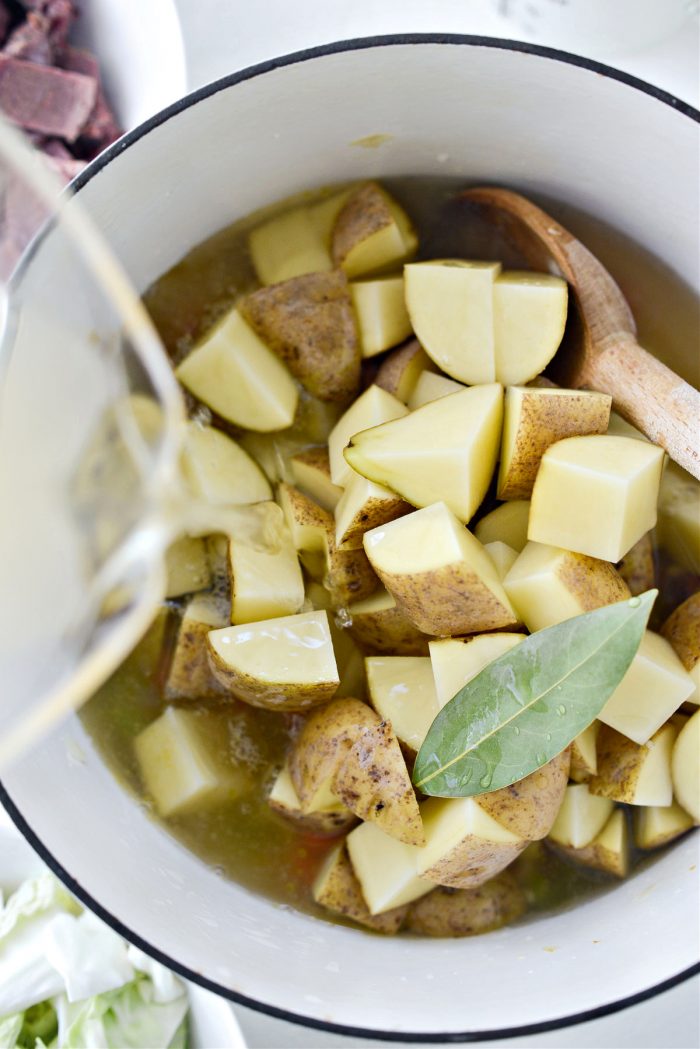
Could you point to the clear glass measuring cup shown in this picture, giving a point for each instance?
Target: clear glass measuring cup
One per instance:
(90, 424)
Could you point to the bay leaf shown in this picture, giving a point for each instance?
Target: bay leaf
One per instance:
(526, 706)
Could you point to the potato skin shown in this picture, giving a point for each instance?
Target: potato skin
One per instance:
(374, 512)
(682, 630)
(400, 370)
(324, 742)
(388, 632)
(473, 862)
(270, 695)
(338, 890)
(529, 807)
(328, 823)
(365, 212)
(467, 912)
(637, 566)
(309, 323)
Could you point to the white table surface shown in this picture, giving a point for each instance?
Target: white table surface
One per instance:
(224, 35)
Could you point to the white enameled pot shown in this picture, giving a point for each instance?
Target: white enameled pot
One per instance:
(542, 122)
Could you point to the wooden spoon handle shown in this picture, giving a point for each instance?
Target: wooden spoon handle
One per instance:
(650, 396)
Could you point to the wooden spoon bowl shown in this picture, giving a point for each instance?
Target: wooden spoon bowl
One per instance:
(605, 354)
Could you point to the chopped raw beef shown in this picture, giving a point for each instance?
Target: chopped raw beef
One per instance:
(42, 98)
(31, 40)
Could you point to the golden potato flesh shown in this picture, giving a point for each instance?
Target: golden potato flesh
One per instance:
(682, 630)
(402, 691)
(503, 557)
(187, 567)
(380, 309)
(584, 757)
(534, 419)
(430, 387)
(311, 473)
(596, 495)
(288, 245)
(219, 470)
(309, 323)
(529, 807)
(505, 524)
(657, 825)
(456, 660)
(581, 817)
(467, 912)
(443, 452)
(379, 625)
(547, 585)
(401, 370)
(362, 506)
(281, 664)
(372, 407)
(385, 868)
(465, 845)
(439, 574)
(685, 767)
(265, 575)
(632, 773)
(337, 889)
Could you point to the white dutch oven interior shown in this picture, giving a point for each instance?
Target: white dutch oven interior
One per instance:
(486, 113)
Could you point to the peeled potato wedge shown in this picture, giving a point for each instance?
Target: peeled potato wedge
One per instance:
(467, 912)
(337, 889)
(281, 664)
(439, 574)
(309, 323)
(685, 767)
(632, 773)
(443, 452)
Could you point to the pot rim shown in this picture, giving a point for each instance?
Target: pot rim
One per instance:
(93, 169)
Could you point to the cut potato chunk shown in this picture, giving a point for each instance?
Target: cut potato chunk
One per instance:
(374, 783)
(529, 318)
(372, 407)
(637, 566)
(652, 689)
(333, 819)
(362, 506)
(444, 451)
(682, 630)
(503, 557)
(379, 624)
(596, 495)
(400, 371)
(535, 418)
(455, 661)
(465, 846)
(321, 747)
(309, 323)
(187, 567)
(385, 869)
(337, 889)
(632, 773)
(315, 418)
(178, 764)
(273, 452)
(288, 245)
(402, 691)
(678, 528)
(311, 472)
(581, 817)
(468, 912)
(506, 524)
(282, 664)
(547, 585)
(234, 373)
(266, 579)
(584, 756)
(685, 767)
(619, 427)
(529, 807)
(371, 233)
(347, 751)
(657, 825)
(219, 470)
(430, 387)
(609, 850)
(450, 303)
(439, 574)
(189, 674)
(382, 318)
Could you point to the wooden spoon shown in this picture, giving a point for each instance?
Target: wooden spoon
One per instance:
(607, 356)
